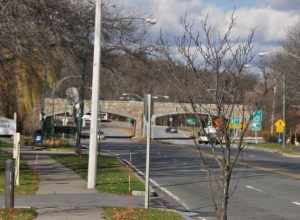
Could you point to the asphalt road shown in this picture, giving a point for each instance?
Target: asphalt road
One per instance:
(267, 184)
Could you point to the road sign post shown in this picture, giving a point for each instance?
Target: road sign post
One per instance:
(9, 184)
(256, 123)
(16, 156)
(280, 127)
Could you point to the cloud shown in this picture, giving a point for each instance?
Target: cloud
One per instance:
(267, 17)
(281, 4)
(271, 25)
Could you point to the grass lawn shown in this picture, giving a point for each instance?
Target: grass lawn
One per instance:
(275, 146)
(18, 214)
(139, 214)
(112, 175)
(62, 149)
(28, 180)
(5, 144)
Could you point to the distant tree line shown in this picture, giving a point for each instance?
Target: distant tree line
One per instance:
(43, 41)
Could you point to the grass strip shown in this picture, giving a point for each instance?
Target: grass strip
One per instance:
(290, 148)
(18, 214)
(112, 175)
(5, 144)
(140, 214)
(28, 180)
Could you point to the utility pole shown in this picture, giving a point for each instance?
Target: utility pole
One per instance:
(92, 167)
(284, 109)
(273, 109)
(148, 101)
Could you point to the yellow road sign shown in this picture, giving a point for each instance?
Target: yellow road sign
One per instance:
(280, 125)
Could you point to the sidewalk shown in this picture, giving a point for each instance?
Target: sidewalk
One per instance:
(62, 194)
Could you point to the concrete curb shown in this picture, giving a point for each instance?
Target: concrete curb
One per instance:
(184, 216)
(153, 182)
(140, 175)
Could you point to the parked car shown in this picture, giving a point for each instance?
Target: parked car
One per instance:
(171, 130)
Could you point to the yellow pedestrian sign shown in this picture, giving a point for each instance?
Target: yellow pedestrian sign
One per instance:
(280, 125)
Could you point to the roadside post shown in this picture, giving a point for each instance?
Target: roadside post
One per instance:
(148, 100)
(16, 156)
(9, 184)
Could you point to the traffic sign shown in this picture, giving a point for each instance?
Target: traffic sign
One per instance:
(255, 126)
(256, 121)
(257, 116)
(280, 125)
(7, 126)
(191, 121)
(218, 122)
(235, 122)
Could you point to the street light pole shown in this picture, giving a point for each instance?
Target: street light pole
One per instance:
(93, 153)
(148, 101)
(273, 109)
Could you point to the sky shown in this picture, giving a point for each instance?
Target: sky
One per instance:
(272, 19)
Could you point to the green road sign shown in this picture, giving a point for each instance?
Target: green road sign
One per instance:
(256, 123)
(235, 122)
(191, 121)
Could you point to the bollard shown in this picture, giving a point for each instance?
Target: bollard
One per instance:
(9, 184)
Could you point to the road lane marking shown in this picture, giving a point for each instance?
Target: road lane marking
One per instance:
(265, 169)
(296, 203)
(253, 188)
(156, 184)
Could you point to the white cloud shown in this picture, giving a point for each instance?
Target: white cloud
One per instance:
(281, 4)
(271, 23)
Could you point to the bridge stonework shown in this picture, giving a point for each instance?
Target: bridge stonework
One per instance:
(130, 109)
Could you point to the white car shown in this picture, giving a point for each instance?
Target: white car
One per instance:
(209, 137)
(203, 140)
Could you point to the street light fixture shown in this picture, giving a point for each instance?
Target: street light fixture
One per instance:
(161, 97)
(128, 95)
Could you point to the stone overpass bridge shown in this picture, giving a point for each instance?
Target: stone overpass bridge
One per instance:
(129, 109)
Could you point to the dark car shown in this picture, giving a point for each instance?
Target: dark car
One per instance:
(171, 130)
(38, 137)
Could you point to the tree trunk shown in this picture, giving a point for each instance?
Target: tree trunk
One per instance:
(224, 209)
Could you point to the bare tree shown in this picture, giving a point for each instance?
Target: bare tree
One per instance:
(215, 71)
(42, 41)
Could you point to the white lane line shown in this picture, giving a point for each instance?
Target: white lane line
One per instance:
(253, 188)
(296, 203)
(156, 184)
